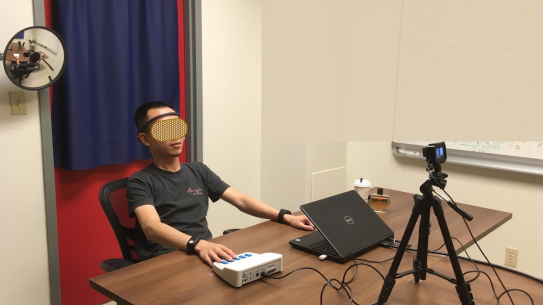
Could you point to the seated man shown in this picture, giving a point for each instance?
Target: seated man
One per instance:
(19, 70)
(170, 199)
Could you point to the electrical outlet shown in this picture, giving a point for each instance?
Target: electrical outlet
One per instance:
(18, 105)
(511, 257)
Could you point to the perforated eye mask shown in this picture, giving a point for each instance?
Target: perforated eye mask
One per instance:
(166, 130)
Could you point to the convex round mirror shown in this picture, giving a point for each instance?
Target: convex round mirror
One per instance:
(34, 58)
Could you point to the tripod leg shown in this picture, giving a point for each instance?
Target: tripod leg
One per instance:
(462, 288)
(390, 279)
(421, 261)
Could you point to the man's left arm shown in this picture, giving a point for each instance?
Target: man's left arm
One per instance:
(252, 206)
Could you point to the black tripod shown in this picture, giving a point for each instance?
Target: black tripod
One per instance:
(422, 207)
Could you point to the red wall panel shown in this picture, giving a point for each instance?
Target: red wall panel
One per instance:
(85, 237)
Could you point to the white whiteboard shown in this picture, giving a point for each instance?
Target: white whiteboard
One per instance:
(480, 63)
(524, 157)
(524, 149)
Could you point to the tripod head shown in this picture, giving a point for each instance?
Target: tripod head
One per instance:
(436, 176)
(436, 154)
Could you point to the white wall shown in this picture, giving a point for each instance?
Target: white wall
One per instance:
(323, 64)
(283, 174)
(325, 165)
(232, 76)
(288, 168)
(24, 269)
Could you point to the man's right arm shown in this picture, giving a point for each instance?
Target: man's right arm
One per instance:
(165, 235)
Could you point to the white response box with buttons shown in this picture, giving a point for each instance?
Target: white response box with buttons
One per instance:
(248, 267)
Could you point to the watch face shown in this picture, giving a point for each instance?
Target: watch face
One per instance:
(192, 243)
(282, 213)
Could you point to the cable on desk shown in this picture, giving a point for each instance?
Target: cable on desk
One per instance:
(374, 262)
(494, 290)
(489, 279)
(356, 264)
(391, 246)
(507, 291)
(343, 284)
(364, 264)
(469, 257)
(328, 282)
(531, 277)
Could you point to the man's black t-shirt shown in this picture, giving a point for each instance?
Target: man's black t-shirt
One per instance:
(180, 198)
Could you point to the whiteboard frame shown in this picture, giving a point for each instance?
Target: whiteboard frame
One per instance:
(477, 159)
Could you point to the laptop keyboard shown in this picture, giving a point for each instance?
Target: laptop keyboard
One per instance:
(324, 247)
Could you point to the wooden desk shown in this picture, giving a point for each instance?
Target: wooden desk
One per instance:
(178, 278)
(15, 49)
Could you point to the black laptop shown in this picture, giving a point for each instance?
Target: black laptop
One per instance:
(347, 227)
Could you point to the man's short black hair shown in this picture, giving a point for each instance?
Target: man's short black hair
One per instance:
(140, 117)
(34, 57)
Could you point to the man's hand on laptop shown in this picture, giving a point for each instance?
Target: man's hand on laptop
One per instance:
(300, 222)
(211, 252)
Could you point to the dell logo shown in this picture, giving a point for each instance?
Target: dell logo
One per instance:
(349, 220)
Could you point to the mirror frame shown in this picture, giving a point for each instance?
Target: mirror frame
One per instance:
(63, 62)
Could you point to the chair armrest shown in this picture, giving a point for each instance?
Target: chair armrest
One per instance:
(229, 231)
(114, 264)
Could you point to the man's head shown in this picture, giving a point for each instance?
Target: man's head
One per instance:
(148, 114)
(34, 57)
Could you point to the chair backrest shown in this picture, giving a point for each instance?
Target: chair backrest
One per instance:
(113, 200)
(29, 69)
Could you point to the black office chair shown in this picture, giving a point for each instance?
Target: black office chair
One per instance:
(23, 71)
(113, 200)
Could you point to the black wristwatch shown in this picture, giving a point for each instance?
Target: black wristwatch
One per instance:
(282, 213)
(193, 241)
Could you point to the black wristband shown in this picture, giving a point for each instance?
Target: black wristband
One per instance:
(282, 213)
(193, 241)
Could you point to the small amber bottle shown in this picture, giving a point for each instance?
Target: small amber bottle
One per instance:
(379, 202)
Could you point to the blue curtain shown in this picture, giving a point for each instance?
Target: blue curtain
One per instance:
(120, 54)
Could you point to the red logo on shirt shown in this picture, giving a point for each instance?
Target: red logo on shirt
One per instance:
(194, 192)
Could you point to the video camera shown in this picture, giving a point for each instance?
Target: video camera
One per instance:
(436, 154)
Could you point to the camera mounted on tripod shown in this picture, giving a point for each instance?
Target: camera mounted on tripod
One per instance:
(436, 154)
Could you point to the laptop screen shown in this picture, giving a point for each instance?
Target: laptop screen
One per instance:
(347, 222)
